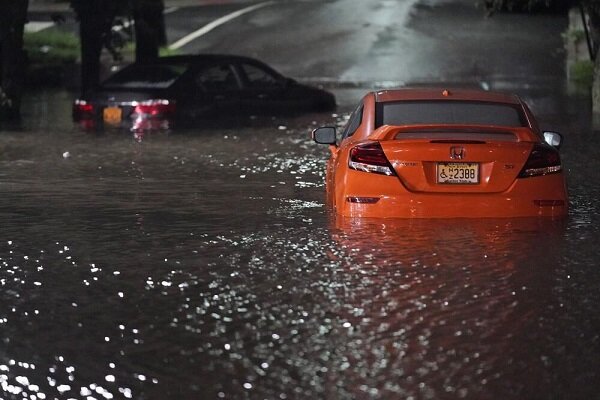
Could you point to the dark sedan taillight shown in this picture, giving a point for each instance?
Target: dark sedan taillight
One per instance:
(156, 108)
(369, 157)
(542, 160)
(82, 108)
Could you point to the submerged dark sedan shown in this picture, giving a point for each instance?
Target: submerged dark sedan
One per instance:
(184, 90)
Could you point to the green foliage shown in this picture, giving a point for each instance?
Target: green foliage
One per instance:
(575, 36)
(51, 47)
(167, 51)
(582, 73)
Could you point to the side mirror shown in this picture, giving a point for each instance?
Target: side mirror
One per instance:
(554, 139)
(324, 135)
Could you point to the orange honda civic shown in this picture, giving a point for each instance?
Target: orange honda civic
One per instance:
(435, 153)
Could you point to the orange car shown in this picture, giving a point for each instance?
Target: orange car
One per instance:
(429, 153)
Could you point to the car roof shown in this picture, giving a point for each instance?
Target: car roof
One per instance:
(444, 94)
(201, 58)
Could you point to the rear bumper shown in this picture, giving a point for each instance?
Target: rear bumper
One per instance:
(128, 123)
(543, 196)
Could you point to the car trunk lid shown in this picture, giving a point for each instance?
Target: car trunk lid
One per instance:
(114, 98)
(460, 159)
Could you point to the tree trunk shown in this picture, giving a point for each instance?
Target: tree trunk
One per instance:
(13, 15)
(149, 29)
(95, 21)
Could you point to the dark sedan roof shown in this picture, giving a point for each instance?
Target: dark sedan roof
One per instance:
(202, 58)
(164, 71)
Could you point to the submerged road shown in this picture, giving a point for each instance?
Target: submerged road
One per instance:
(204, 264)
(381, 43)
(370, 44)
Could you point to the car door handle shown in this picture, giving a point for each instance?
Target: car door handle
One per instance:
(263, 96)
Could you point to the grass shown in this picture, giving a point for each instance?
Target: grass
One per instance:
(51, 47)
(53, 53)
(54, 47)
(128, 51)
(52, 56)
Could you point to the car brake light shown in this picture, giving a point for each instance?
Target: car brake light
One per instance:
(370, 157)
(82, 106)
(542, 160)
(155, 108)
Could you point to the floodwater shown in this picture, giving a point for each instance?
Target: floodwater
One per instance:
(204, 264)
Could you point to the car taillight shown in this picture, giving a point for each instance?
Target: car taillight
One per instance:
(155, 108)
(370, 157)
(542, 160)
(83, 107)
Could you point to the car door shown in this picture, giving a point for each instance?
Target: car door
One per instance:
(212, 91)
(263, 90)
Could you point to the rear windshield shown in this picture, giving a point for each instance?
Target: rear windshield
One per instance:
(146, 76)
(449, 112)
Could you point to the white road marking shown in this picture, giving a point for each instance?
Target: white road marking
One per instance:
(36, 26)
(216, 23)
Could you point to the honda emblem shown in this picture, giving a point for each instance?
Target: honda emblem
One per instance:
(457, 153)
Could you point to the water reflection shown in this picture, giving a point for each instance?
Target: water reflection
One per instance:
(455, 240)
(466, 297)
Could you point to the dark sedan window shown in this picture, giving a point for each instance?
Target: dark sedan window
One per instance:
(146, 76)
(259, 77)
(449, 112)
(217, 78)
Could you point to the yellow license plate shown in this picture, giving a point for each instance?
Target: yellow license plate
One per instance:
(458, 173)
(112, 115)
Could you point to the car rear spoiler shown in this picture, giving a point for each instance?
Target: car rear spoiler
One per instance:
(451, 132)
